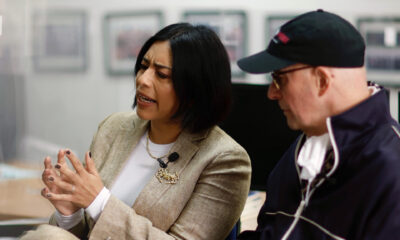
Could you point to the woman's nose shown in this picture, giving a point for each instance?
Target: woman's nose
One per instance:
(144, 78)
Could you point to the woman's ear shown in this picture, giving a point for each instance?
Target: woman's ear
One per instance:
(324, 79)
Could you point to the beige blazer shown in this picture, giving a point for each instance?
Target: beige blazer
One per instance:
(214, 179)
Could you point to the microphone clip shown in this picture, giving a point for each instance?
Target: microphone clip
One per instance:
(171, 158)
(162, 163)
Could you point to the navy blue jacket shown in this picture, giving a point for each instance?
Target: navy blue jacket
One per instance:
(359, 198)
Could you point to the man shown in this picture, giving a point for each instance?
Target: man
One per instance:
(341, 178)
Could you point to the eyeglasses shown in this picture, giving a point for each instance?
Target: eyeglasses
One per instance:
(276, 76)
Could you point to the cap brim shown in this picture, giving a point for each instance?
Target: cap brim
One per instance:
(263, 62)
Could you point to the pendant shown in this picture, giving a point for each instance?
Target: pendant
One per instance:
(164, 176)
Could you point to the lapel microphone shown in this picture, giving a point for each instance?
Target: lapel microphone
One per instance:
(171, 158)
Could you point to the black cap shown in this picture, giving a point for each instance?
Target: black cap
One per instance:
(316, 38)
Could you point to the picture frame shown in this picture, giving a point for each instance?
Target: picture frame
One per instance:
(124, 35)
(230, 26)
(59, 41)
(382, 59)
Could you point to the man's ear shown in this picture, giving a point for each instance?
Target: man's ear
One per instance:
(324, 79)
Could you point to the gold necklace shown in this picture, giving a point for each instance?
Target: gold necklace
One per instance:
(151, 155)
(162, 174)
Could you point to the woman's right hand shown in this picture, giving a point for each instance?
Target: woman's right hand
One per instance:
(49, 176)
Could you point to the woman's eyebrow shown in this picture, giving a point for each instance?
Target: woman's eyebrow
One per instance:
(162, 66)
(158, 65)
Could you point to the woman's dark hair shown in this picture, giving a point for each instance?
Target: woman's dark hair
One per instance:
(201, 74)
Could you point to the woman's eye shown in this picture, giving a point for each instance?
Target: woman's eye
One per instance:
(162, 75)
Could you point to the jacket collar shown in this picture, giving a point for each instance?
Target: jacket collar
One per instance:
(346, 128)
(360, 119)
(352, 124)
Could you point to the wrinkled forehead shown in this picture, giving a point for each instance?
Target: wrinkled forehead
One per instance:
(160, 53)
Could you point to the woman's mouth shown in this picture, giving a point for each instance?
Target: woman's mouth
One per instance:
(145, 99)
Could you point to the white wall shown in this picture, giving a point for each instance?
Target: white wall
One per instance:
(63, 110)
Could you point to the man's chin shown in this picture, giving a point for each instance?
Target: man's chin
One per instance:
(292, 125)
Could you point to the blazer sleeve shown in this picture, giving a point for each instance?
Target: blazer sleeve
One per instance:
(80, 230)
(214, 207)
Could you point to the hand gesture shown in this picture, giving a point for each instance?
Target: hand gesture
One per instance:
(79, 187)
(49, 177)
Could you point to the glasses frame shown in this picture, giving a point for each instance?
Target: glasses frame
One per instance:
(276, 79)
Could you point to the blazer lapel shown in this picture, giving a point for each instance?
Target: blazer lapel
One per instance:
(122, 148)
(186, 147)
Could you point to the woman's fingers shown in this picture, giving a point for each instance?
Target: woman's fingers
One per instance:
(77, 188)
(47, 163)
(57, 197)
(49, 174)
(47, 177)
(65, 207)
(65, 187)
(76, 163)
(44, 192)
(60, 156)
(90, 166)
(66, 173)
(48, 169)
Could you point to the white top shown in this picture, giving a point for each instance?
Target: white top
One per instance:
(137, 172)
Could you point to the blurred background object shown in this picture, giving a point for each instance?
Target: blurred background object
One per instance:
(66, 65)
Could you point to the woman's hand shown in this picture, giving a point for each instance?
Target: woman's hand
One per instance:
(79, 187)
(49, 177)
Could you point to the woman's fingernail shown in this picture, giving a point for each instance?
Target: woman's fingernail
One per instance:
(90, 154)
(48, 195)
(68, 152)
(51, 179)
(58, 166)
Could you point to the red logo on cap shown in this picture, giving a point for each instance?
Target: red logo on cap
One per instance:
(282, 37)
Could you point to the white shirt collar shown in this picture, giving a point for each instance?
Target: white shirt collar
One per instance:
(312, 155)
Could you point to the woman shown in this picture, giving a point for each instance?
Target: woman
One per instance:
(166, 171)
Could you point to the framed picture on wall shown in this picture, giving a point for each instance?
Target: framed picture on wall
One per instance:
(382, 38)
(231, 27)
(124, 35)
(59, 41)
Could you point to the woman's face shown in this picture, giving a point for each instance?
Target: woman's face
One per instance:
(155, 94)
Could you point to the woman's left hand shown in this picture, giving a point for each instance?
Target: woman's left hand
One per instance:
(80, 186)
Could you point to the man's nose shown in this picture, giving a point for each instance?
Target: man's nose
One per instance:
(273, 92)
